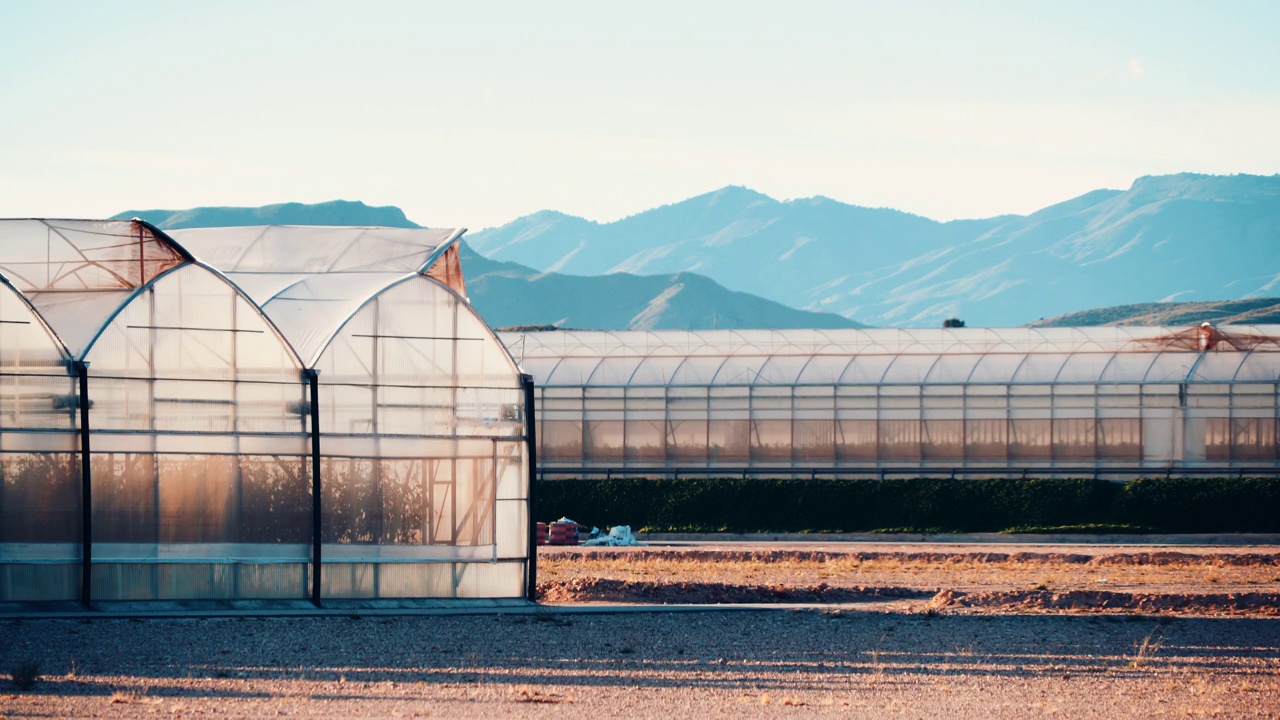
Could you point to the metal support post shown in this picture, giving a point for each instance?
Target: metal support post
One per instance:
(313, 383)
(531, 453)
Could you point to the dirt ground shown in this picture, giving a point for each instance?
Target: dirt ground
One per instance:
(923, 632)
(975, 579)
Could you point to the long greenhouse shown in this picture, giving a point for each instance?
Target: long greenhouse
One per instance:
(317, 414)
(1101, 401)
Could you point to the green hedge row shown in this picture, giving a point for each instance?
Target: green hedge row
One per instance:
(917, 505)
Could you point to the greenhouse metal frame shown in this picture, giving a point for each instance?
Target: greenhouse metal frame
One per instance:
(167, 435)
(1105, 401)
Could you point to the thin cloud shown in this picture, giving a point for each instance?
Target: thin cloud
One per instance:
(1132, 73)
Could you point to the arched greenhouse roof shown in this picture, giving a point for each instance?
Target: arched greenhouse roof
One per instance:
(312, 279)
(1019, 356)
(78, 275)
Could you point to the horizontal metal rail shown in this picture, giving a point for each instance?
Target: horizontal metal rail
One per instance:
(900, 472)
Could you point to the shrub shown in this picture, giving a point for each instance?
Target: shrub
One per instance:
(917, 504)
(25, 674)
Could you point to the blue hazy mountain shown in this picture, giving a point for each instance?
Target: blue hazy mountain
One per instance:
(1185, 237)
(507, 293)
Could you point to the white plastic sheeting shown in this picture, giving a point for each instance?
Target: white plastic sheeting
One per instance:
(1017, 398)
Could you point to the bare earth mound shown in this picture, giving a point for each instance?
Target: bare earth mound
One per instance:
(1200, 581)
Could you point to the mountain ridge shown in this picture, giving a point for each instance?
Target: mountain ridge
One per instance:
(1186, 236)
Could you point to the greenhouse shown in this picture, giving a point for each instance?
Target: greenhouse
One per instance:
(1099, 401)
(327, 419)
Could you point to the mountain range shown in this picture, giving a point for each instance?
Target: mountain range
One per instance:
(737, 258)
(1174, 237)
(508, 294)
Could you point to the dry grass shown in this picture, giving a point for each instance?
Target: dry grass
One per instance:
(1145, 650)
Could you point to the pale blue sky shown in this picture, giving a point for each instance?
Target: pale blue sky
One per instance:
(472, 114)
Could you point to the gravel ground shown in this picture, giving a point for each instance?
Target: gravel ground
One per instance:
(947, 631)
(776, 663)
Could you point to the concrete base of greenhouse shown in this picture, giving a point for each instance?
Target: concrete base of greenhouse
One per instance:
(262, 608)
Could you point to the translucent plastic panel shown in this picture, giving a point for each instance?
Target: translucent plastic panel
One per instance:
(1218, 367)
(313, 248)
(78, 316)
(429, 501)
(1260, 367)
(814, 441)
(192, 324)
(866, 369)
(952, 369)
(943, 440)
(71, 255)
(614, 371)
(1120, 439)
(782, 370)
(1128, 367)
(997, 368)
(38, 402)
(560, 440)
(909, 369)
(656, 371)
(986, 439)
(1074, 439)
(417, 333)
(858, 440)
(26, 346)
(1084, 367)
(1171, 367)
(1038, 369)
(604, 436)
(573, 371)
(735, 370)
(899, 440)
(646, 437)
(701, 371)
(730, 439)
(686, 436)
(149, 499)
(1030, 440)
(39, 498)
(1253, 439)
(824, 370)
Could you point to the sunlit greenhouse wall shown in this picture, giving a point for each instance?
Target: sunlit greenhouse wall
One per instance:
(1020, 400)
(423, 451)
(201, 482)
(422, 417)
(206, 400)
(39, 464)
